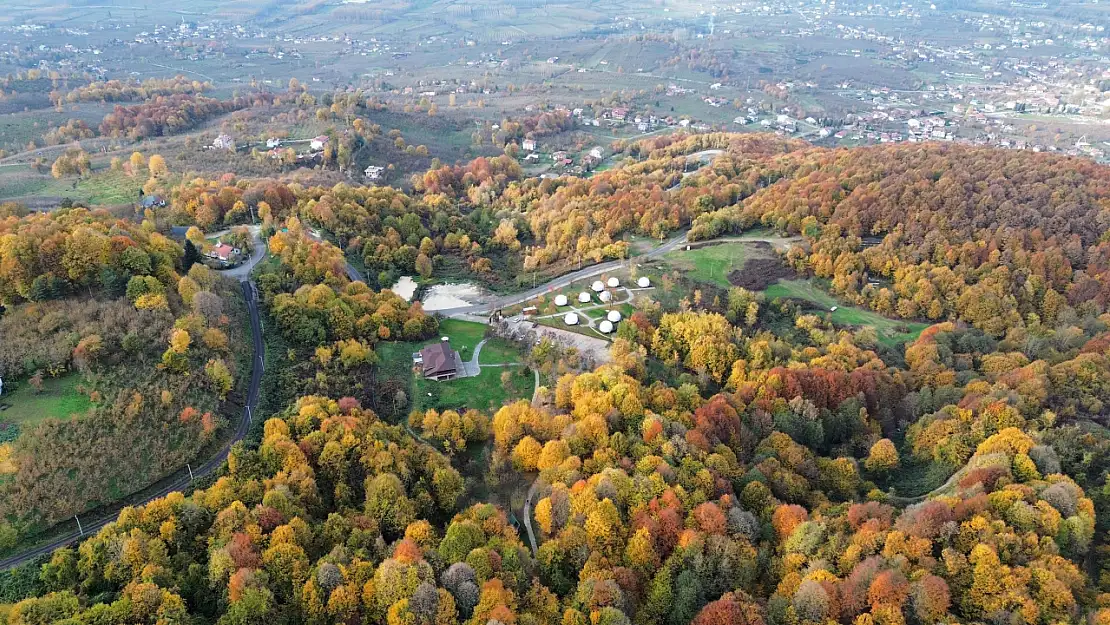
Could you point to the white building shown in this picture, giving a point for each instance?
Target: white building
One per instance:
(584, 297)
(643, 282)
(597, 152)
(374, 172)
(561, 300)
(223, 142)
(613, 282)
(614, 316)
(528, 144)
(318, 143)
(571, 319)
(605, 327)
(598, 286)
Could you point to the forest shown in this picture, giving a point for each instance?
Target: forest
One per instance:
(739, 459)
(152, 338)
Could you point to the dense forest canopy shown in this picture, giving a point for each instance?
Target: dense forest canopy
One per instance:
(740, 459)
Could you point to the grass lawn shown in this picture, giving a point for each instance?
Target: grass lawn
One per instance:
(498, 351)
(483, 392)
(59, 399)
(891, 331)
(464, 335)
(712, 263)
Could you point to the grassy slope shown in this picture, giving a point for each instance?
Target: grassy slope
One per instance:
(891, 331)
(713, 263)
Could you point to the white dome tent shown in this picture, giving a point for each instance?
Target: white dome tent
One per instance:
(605, 327)
(561, 300)
(643, 282)
(613, 282)
(614, 316)
(584, 297)
(571, 319)
(598, 286)
(605, 296)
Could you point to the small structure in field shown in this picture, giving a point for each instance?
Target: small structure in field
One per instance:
(571, 319)
(605, 327)
(561, 300)
(643, 282)
(613, 316)
(605, 296)
(613, 282)
(598, 286)
(584, 297)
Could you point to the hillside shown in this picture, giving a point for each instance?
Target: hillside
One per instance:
(907, 430)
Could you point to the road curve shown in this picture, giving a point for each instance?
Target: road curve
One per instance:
(250, 294)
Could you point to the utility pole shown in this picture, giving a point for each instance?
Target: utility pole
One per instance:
(190, 467)
(79, 528)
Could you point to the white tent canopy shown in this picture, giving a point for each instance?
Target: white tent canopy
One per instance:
(614, 282)
(584, 297)
(643, 282)
(605, 327)
(571, 319)
(598, 286)
(614, 316)
(560, 300)
(605, 296)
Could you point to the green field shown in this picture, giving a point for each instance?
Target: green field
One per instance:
(483, 392)
(59, 399)
(498, 351)
(891, 331)
(464, 335)
(713, 263)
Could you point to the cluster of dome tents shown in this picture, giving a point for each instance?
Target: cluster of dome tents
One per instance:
(614, 317)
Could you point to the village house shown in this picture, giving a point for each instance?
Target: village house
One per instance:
(222, 252)
(374, 172)
(272, 143)
(152, 201)
(224, 142)
(529, 145)
(318, 143)
(597, 152)
(437, 361)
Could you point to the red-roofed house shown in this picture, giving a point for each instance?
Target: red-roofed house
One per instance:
(223, 252)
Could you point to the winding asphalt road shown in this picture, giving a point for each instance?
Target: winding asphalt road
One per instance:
(250, 294)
